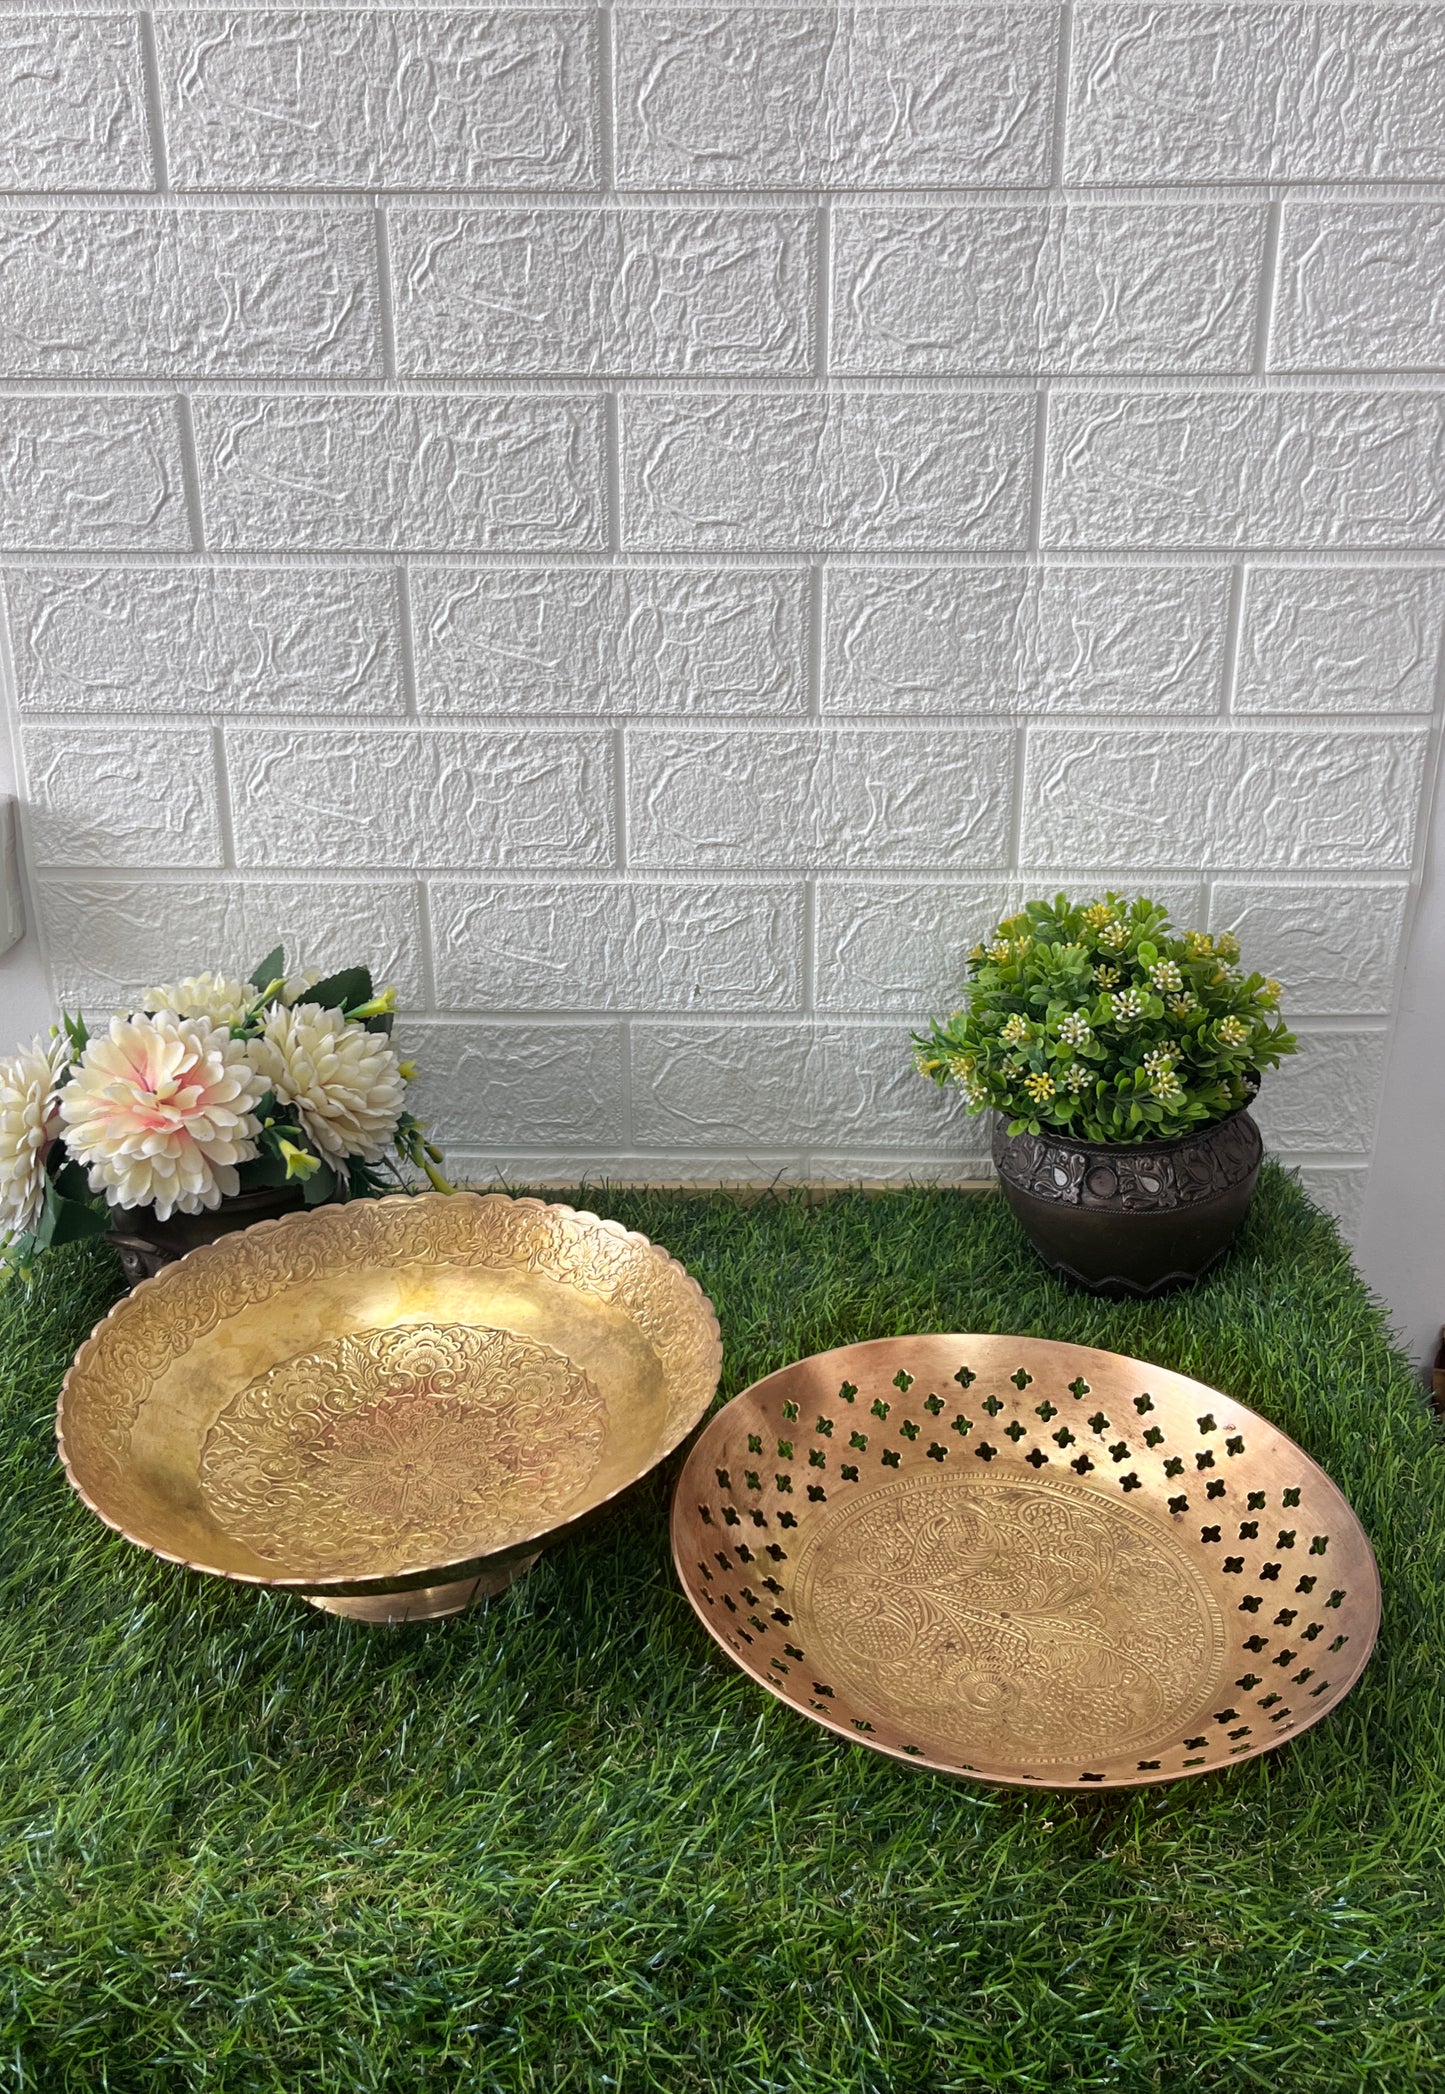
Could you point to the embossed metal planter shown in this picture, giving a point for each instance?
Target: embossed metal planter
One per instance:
(1024, 1561)
(1130, 1218)
(387, 1407)
(145, 1245)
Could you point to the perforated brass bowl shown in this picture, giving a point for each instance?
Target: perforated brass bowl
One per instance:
(1023, 1561)
(387, 1407)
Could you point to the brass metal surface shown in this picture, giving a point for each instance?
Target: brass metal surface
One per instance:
(1026, 1562)
(392, 1397)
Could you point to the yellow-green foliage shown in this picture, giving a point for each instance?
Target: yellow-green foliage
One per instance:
(1100, 1020)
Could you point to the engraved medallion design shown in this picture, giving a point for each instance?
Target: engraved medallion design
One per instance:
(1025, 1621)
(419, 1444)
(1132, 1178)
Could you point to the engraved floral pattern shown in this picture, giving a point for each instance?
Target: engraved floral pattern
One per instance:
(163, 1318)
(412, 1445)
(1035, 1622)
(1142, 1178)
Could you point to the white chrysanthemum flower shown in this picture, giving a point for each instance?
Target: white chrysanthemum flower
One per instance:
(29, 1123)
(1233, 1032)
(1076, 1076)
(203, 996)
(1181, 1006)
(345, 1082)
(1165, 975)
(1075, 1029)
(1128, 1004)
(161, 1110)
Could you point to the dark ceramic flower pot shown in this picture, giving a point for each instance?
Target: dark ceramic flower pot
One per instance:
(145, 1244)
(1130, 1218)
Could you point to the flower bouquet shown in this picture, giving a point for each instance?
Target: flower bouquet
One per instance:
(210, 1096)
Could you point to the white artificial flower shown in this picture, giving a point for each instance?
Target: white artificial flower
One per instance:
(161, 1109)
(345, 1082)
(29, 1123)
(203, 996)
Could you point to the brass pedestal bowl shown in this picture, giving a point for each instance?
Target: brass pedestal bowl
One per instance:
(387, 1407)
(1023, 1561)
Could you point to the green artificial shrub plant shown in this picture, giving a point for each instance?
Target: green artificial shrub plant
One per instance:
(1101, 1021)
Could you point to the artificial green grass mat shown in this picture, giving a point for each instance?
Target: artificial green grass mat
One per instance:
(561, 1843)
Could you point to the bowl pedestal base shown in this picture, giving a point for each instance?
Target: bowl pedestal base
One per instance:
(427, 1602)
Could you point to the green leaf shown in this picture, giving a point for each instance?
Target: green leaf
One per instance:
(320, 1188)
(271, 969)
(344, 990)
(263, 1170)
(69, 1221)
(69, 1177)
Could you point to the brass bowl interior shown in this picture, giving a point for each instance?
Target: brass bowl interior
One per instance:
(1023, 1561)
(359, 1397)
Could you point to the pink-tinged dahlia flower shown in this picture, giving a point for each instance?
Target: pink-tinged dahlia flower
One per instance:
(161, 1109)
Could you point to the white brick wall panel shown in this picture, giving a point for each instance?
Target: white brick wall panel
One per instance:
(151, 591)
(375, 99)
(963, 1162)
(1336, 640)
(122, 795)
(114, 938)
(1340, 1190)
(506, 292)
(616, 946)
(520, 1086)
(72, 103)
(1276, 470)
(761, 472)
(1324, 1097)
(501, 799)
(902, 97)
(1361, 288)
(226, 293)
(1034, 640)
(1184, 899)
(204, 640)
(819, 798)
(648, 640)
(1287, 799)
(78, 474)
(570, 1168)
(341, 472)
(805, 1084)
(1252, 92)
(898, 947)
(1333, 948)
(1022, 287)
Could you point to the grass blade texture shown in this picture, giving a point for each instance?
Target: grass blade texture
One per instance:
(562, 1844)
